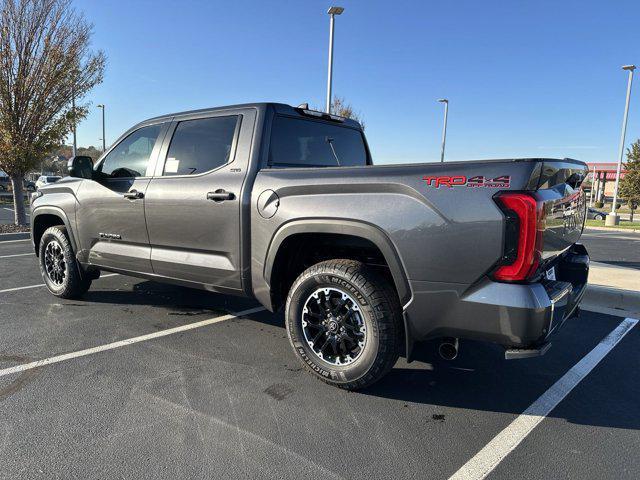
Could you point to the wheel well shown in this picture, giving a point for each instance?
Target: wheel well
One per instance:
(299, 252)
(40, 224)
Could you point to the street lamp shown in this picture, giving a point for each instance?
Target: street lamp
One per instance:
(104, 142)
(613, 218)
(444, 127)
(73, 130)
(333, 11)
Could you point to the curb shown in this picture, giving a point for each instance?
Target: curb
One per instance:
(623, 302)
(612, 229)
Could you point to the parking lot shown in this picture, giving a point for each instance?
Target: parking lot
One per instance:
(166, 381)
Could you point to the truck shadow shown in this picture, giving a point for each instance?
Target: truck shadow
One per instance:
(179, 300)
(478, 380)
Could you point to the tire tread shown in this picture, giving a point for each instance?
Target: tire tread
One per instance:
(385, 304)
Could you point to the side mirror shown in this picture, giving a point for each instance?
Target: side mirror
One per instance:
(80, 166)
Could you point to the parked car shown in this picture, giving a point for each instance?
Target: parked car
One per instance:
(46, 180)
(5, 184)
(284, 205)
(593, 214)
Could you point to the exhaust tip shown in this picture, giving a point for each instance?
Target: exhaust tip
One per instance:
(448, 349)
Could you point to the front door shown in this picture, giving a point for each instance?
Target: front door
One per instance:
(110, 209)
(193, 203)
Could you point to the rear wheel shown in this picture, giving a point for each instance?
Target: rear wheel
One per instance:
(60, 270)
(344, 323)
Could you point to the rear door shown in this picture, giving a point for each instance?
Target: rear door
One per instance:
(193, 202)
(110, 210)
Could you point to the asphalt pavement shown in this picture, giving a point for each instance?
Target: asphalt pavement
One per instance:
(160, 381)
(613, 247)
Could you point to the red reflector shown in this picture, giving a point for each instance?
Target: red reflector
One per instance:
(525, 208)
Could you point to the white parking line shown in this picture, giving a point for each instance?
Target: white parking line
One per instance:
(2, 242)
(18, 255)
(12, 211)
(487, 459)
(15, 289)
(123, 343)
(12, 233)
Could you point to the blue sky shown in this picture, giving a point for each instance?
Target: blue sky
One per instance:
(524, 79)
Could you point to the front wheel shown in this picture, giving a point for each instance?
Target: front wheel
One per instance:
(344, 323)
(58, 265)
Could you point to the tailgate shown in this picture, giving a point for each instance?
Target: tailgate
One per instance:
(563, 203)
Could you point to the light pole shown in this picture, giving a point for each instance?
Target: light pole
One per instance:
(593, 185)
(444, 127)
(104, 142)
(73, 107)
(613, 218)
(333, 11)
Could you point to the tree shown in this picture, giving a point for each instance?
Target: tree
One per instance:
(630, 184)
(45, 62)
(343, 109)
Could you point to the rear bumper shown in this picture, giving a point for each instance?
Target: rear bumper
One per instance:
(514, 315)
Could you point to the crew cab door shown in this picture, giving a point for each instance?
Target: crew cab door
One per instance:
(110, 210)
(193, 203)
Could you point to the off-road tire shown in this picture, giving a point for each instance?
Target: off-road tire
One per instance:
(74, 284)
(380, 308)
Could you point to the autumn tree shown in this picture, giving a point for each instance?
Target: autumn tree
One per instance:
(630, 184)
(340, 107)
(45, 63)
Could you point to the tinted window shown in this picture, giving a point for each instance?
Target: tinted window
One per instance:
(131, 156)
(52, 179)
(199, 146)
(306, 143)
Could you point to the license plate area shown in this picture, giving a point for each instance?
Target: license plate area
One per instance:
(550, 274)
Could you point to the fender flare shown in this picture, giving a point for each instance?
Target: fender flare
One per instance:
(58, 212)
(345, 227)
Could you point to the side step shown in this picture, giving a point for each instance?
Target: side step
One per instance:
(519, 353)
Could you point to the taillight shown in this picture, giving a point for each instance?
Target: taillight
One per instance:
(523, 239)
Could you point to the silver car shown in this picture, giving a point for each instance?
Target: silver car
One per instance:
(46, 180)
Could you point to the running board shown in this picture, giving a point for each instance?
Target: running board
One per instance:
(519, 353)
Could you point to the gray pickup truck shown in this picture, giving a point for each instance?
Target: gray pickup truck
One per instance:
(284, 205)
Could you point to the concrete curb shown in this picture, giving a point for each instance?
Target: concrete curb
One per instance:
(611, 300)
(612, 229)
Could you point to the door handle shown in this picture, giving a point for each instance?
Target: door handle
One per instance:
(220, 195)
(133, 194)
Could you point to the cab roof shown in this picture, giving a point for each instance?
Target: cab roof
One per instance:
(278, 108)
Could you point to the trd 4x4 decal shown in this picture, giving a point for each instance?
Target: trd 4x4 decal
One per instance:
(450, 181)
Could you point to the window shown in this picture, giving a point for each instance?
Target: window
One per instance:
(199, 146)
(307, 143)
(131, 156)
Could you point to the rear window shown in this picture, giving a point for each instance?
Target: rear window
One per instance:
(52, 179)
(201, 145)
(306, 143)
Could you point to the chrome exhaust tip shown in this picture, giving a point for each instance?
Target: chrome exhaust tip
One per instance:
(448, 348)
